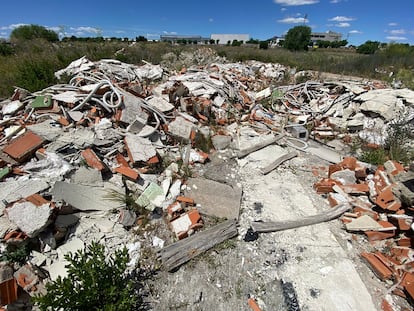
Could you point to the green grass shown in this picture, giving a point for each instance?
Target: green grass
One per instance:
(32, 63)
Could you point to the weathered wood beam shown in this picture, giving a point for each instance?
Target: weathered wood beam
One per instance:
(174, 255)
(273, 226)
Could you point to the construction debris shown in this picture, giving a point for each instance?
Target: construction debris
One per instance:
(114, 148)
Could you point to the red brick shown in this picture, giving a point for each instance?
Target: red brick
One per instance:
(387, 200)
(8, 292)
(92, 159)
(37, 199)
(128, 172)
(381, 235)
(378, 265)
(23, 146)
(325, 185)
(355, 188)
(121, 160)
(186, 200)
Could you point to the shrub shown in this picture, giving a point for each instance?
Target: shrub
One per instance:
(95, 282)
(30, 32)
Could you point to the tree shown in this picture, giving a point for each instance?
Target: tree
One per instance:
(95, 281)
(369, 47)
(30, 32)
(263, 45)
(141, 39)
(298, 38)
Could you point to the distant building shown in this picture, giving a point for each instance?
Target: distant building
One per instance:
(225, 38)
(326, 36)
(181, 38)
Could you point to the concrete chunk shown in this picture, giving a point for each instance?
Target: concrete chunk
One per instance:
(30, 218)
(214, 198)
(181, 128)
(86, 198)
(139, 148)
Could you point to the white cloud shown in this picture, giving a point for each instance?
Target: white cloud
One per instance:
(293, 20)
(12, 26)
(55, 29)
(295, 2)
(169, 32)
(397, 31)
(85, 29)
(343, 25)
(392, 24)
(283, 9)
(341, 19)
(396, 38)
(211, 20)
(355, 32)
(335, 1)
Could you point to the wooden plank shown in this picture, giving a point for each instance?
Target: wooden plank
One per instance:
(333, 213)
(174, 255)
(278, 161)
(260, 145)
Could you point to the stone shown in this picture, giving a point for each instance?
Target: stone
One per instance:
(71, 246)
(58, 269)
(214, 198)
(345, 177)
(30, 218)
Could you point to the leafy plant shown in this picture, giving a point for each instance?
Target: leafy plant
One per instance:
(95, 281)
(15, 254)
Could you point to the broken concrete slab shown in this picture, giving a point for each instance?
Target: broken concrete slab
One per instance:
(49, 130)
(31, 219)
(139, 148)
(221, 142)
(87, 176)
(160, 103)
(87, 198)
(214, 198)
(13, 190)
(363, 223)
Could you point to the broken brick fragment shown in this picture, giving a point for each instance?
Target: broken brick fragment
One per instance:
(387, 200)
(325, 185)
(188, 201)
(8, 292)
(127, 172)
(378, 265)
(92, 159)
(23, 146)
(37, 199)
(381, 235)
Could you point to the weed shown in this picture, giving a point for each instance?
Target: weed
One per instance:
(15, 254)
(95, 281)
(374, 156)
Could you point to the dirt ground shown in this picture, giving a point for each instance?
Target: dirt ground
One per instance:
(310, 268)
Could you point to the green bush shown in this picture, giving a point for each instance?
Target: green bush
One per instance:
(30, 32)
(95, 282)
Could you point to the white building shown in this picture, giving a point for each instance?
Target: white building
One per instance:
(225, 38)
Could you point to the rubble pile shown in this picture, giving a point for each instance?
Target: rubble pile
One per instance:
(88, 160)
(382, 201)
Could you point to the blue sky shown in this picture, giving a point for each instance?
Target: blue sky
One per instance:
(357, 20)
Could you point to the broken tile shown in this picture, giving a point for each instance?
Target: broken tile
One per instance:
(23, 146)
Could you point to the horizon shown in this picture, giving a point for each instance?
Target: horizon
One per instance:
(357, 21)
